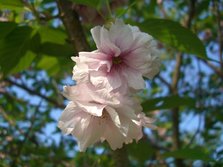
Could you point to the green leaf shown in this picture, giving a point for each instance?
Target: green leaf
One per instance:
(50, 64)
(14, 47)
(53, 43)
(52, 35)
(24, 62)
(92, 3)
(6, 28)
(55, 66)
(54, 50)
(203, 6)
(167, 102)
(197, 153)
(175, 35)
(11, 4)
(57, 50)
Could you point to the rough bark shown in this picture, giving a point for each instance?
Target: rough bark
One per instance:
(73, 25)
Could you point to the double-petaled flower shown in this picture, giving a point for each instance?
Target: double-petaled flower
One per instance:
(102, 106)
(92, 116)
(123, 56)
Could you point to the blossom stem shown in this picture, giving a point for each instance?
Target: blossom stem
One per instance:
(108, 8)
(174, 85)
(121, 157)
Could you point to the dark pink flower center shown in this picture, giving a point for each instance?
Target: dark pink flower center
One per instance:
(116, 60)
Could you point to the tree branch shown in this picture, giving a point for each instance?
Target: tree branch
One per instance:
(6, 117)
(176, 73)
(164, 82)
(73, 26)
(174, 90)
(32, 8)
(175, 111)
(33, 92)
(214, 68)
(26, 137)
(10, 121)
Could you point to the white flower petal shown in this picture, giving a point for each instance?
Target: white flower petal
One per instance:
(103, 41)
(134, 78)
(121, 35)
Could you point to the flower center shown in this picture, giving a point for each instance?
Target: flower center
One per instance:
(105, 114)
(116, 60)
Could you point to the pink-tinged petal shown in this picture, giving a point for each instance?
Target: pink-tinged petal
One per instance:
(90, 94)
(92, 108)
(110, 81)
(81, 125)
(67, 120)
(127, 113)
(140, 39)
(148, 64)
(154, 67)
(80, 71)
(89, 57)
(96, 61)
(85, 127)
(103, 41)
(114, 79)
(134, 78)
(92, 132)
(135, 61)
(146, 121)
(122, 123)
(114, 116)
(113, 136)
(135, 132)
(102, 106)
(125, 121)
(73, 93)
(99, 80)
(121, 35)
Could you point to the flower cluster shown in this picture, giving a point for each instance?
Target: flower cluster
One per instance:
(102, 105)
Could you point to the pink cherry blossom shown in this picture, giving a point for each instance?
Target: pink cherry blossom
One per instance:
(102, 105)
(91, 117)
(123, 56)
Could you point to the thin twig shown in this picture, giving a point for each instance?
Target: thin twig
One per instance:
(176, 73)
(32, 8)
(217, 70)
(175, 80)
(196, 132)
(40, 16)
(199, 100)
(164, 81)
(33, 92)
(6, 117)
(26, 136)
(10, 121)
(175, 111)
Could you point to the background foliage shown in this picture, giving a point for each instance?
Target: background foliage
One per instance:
(37, 39)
